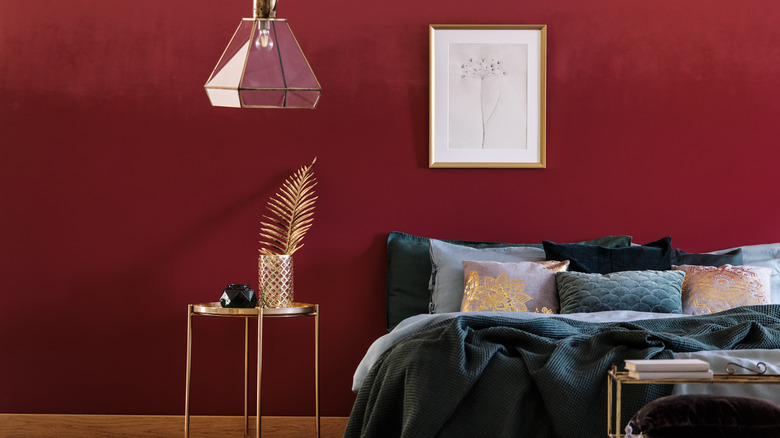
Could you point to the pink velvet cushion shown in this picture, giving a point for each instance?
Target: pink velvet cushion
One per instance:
(511, 287)
(710, 289)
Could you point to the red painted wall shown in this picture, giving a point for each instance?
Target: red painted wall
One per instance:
(125, 195)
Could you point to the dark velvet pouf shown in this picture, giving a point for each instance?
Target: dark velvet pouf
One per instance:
(710, 416)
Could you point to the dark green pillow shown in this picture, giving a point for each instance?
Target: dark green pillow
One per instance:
(640, 291)
(680, 257)
(409, 270)
(602, 260)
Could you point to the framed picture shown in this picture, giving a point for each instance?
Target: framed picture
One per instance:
(488, 95)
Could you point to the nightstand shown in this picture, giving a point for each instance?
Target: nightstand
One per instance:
(216, 309)
(618, 378)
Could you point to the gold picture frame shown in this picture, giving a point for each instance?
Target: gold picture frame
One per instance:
(487, 96)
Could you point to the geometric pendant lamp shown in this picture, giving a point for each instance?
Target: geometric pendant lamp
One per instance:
(263, 66)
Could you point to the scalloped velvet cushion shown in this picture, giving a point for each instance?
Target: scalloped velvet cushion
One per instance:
(601, 260)
(700, 415)
(641, 291)
(710, 289)
(511, 287)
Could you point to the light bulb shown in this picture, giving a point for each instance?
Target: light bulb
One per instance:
(263, 40)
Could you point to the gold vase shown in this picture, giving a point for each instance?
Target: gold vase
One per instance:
(276, 281)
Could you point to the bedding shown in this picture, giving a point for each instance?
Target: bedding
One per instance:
(511, 287)
(409, 270)
(732, 257)
(447, 277)
(718, 361)
(535, 376)
(644, 291)
(766, 255)
(600, 260)
(521, 373)
(710, 289)
(422, 321)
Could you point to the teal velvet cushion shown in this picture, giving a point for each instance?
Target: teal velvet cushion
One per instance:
(641, 291)
(409, 270)
(680, 257)
(601, 260)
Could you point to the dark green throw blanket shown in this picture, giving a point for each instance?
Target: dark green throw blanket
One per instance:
(474, 376)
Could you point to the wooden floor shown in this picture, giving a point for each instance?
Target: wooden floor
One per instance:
(161, 426)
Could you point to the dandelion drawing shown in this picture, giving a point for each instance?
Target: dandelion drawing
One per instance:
(483, 69)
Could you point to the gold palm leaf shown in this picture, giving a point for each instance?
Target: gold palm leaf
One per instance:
(291, 213)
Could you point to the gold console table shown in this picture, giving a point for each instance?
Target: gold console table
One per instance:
(618, 378)
(216, 309)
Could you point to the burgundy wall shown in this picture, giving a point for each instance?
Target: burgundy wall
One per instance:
(125, 195)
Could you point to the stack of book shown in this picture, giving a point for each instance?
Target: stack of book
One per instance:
(668, 369)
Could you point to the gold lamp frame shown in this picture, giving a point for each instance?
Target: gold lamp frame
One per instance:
(263, 66)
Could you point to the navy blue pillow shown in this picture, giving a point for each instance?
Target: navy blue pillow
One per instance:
(680, 257)
(600, 260)
(640, 291)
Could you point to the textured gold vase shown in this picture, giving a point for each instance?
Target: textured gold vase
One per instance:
(276, 280)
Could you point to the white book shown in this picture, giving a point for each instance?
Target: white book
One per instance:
(667, 365)
(653, 375)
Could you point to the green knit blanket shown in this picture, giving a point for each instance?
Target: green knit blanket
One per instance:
(477, 376)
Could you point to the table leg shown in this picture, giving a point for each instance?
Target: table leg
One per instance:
(609, 405)
(246, 375)
(189, 363)
(618, 391)
(317, 368)
(259, 365)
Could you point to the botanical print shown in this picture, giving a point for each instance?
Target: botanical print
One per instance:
(483, 69)
(488, 96)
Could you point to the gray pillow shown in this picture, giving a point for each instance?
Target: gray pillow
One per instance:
(447, 274)
(768, 256)
(641, 291)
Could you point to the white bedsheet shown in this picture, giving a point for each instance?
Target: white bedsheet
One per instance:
(418, 322)
(749, 358)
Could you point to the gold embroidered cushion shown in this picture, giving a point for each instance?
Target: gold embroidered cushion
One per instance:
(511, 287)
(710, 289)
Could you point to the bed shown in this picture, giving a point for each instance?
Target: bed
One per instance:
(500, 339)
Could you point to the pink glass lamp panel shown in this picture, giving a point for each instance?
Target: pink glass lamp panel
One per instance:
(236, 48)
(296, 69)
(264, 98)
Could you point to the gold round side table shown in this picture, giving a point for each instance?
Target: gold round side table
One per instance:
(216, 309)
